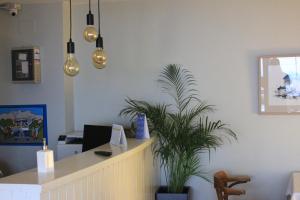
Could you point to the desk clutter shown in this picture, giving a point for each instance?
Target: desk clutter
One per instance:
(93, 136)
(103, 153)
(71, 138)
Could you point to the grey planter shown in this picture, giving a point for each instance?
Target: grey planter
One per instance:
(162, 194)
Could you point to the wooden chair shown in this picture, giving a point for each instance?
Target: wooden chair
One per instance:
(223, 184)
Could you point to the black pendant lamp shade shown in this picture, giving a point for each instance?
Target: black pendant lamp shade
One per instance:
(90, 32)
(90, 18)
(70, 46)
(99, 42)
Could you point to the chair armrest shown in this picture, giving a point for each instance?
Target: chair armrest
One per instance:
(231, 191)
(238, 178)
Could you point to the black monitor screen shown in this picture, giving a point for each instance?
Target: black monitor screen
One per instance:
(94, 136)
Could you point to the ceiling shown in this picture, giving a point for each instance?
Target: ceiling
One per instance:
(52, 1)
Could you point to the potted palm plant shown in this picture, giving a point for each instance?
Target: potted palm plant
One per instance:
(182, 130)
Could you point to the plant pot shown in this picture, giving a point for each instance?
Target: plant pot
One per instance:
(162, 194)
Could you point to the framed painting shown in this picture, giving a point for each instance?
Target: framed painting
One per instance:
(279, 84)
(23, 124)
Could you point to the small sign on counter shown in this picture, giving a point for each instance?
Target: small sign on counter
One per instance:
(118, 136)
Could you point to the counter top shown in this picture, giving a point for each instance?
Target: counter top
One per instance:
(76, 165)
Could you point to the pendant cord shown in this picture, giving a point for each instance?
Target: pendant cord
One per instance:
(99, 17)
(90, 5)
(70, 19)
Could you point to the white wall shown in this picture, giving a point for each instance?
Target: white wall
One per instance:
(39, 25)
(219, 41)
(68, 81)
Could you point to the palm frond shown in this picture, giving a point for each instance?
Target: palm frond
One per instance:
(178, 83)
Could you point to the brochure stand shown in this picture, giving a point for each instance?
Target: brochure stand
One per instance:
(142, 131)
(118, 136)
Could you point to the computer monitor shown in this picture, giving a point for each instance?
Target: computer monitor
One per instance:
(94, 136)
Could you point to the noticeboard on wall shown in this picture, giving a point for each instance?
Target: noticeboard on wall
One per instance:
(26, 65)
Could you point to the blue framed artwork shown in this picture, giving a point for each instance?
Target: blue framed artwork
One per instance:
(23, 124)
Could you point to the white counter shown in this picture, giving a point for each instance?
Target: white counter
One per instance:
(72, 174)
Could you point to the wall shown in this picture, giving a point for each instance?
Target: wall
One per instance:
(68, 81)
(219, 41)
(39, 25)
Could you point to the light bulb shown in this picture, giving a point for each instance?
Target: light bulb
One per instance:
(99, 58)
(90, 33)
(71, 66)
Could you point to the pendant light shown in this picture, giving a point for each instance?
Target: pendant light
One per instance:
(71, 66)
(99, 56)
(90, 32)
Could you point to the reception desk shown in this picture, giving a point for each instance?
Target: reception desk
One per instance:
(129, 174)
